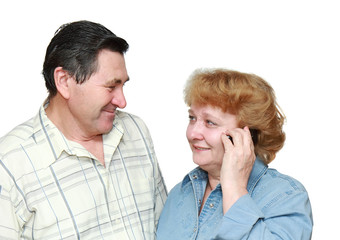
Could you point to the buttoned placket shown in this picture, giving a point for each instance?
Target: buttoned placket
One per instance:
(199, 182)
(212, 202)
(197, 193)
(109, 180)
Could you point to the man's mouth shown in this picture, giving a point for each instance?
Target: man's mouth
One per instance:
(109, 110)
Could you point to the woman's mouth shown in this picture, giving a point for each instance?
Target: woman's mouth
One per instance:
(200, 148)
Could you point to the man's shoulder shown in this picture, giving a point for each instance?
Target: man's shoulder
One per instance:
(130, 120)
(122, 115)
(16, 137)
(133, 126)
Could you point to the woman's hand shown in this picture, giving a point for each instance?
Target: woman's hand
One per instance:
(238, 161)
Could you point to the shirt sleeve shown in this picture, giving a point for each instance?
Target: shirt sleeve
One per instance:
(160, 195)
(160, 191)
(9, 227)
(287, 217)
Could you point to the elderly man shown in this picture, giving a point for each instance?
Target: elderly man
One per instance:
(81, 169)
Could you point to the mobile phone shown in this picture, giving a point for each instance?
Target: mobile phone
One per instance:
(253, 133)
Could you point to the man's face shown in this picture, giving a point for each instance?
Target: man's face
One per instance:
(93, 103)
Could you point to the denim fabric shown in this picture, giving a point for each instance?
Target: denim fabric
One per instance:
(276, 207)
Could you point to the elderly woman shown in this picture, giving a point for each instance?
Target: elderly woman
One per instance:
(234, 131)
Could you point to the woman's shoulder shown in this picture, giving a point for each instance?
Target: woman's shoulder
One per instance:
(275, 189)
(279, 180)
(263, 178)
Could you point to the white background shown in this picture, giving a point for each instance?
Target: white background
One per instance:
(294, 45)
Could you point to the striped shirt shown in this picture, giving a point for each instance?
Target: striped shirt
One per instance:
(53, 188)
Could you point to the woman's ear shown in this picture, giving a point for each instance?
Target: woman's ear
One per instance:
(61, 78)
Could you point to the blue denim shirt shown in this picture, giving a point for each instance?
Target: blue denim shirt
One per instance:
(276, 207)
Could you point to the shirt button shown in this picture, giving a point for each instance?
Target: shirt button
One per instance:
(195, 229)
(200, 201)
(194, 176)
(211, 205)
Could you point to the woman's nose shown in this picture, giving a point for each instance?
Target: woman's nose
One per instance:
(194, 131)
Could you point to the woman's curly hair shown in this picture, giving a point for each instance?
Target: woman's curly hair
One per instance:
(247, 96)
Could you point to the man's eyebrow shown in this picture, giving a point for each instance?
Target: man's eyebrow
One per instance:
(116, 81)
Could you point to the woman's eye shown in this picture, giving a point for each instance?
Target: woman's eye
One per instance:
(191, 118)
(210, 123)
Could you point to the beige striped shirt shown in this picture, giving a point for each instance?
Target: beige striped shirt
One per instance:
(53, 188)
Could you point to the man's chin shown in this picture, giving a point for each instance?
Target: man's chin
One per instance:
(107, 129)
(106, 126)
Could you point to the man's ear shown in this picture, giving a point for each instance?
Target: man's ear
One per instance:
(62, 82)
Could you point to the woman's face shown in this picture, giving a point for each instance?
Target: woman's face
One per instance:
(206, 125)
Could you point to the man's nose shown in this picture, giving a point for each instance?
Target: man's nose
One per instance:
(119, 99)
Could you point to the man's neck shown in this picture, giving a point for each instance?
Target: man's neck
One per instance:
(58, 114)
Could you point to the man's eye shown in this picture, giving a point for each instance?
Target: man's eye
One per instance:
(111, 87)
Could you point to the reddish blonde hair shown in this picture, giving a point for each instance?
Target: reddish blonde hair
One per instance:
(247, 96)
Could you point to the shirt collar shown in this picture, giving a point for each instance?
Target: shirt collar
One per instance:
(195, 174)
(45, 131)
(259, 169)
(112, 139)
